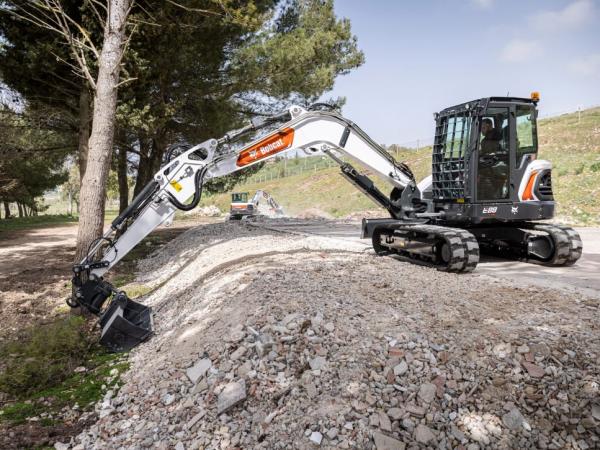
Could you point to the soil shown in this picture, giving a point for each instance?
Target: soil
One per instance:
(35, 274)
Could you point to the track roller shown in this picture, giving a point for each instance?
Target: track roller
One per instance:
(446, 249)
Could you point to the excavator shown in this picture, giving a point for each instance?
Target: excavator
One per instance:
(487, 192)
(241, 208)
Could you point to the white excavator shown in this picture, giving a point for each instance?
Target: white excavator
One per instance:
(241, 208)
(486, 193)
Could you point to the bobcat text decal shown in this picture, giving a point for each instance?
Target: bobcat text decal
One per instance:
(273, 144)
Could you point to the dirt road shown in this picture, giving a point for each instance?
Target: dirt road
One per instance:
(583, 277)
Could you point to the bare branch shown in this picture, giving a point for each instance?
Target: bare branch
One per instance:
(126, 81)
(198, 10)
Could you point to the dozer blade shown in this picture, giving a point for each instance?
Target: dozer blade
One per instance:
(125, 324)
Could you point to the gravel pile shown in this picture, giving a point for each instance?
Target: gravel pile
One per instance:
(283, 341)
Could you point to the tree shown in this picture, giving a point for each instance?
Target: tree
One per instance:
(91, 208)
(32, 151)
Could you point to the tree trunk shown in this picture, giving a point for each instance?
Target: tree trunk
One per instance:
(93, 187)
(149, 163)
(122, 178)
(143, 170)
(6, 210)
(84, 129)
(20, 208)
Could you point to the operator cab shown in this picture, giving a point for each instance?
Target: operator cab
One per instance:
(484, 162)
(240, 206)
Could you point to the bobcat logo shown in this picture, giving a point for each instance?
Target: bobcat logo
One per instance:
(514, 209)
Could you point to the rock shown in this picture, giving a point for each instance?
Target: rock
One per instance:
(423, 434)
(264, 344)
(231, 395)
(415, 410)
(395, 413)
(400, 369)
(513, 419)
(384, 422)
(61, 446)
(533, 369)
(241, 351)
(168, 399)
(316, 438)
(596, 411)
(329, 326)
(427, 392)
(201, 386)
(522, 349)
(311, 390)
(502, 350)
(332, 433)
(179, 446)
(198, 370)
(194, 420)
(79, 369)
(383, 442)
(317, 363)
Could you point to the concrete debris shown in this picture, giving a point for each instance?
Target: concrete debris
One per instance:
(383, 442)
(423, 434)
(270, 341)
(198, 370)
(316, 437)
(231, 395)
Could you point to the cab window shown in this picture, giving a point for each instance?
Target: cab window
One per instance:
(526, 133)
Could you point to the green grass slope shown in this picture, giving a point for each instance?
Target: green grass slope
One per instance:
(570, 142)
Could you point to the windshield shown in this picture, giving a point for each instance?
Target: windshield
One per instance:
(239, 197)
(526, 132)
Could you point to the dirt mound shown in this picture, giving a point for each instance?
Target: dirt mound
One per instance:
(314, 213)
(269, 340)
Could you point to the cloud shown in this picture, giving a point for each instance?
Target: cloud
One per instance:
(518, 50)
(572, 16)
(587, 66)
(483, 4)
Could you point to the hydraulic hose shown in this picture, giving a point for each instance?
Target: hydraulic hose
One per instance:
(198, 182)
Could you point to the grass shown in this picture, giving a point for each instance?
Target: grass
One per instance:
(23, 223)
(571, 143)
(39, 371)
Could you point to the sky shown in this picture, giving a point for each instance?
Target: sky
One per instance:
(423, 56)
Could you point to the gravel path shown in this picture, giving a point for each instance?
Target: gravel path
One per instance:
(270, 340)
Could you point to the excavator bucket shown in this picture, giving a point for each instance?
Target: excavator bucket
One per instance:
(125, 324)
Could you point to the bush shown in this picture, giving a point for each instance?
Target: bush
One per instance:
(43, 357)
(595, 167)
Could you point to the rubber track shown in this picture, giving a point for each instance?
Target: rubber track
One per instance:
(463, 246)
(567, 243)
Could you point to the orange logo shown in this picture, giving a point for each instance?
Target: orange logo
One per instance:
(273, 144)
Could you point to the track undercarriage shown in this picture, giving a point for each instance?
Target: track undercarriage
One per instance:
(453, 249)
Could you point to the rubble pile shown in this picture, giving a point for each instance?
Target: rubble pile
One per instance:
(295, 342)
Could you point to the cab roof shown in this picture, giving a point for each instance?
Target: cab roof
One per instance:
(483, 103)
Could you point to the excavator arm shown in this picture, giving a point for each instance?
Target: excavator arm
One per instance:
(125, 322)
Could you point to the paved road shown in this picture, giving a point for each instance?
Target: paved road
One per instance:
(583, 276)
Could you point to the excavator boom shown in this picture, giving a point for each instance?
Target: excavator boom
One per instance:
(126, 322)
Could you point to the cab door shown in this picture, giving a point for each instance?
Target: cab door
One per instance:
(494, 151)
(524, 124)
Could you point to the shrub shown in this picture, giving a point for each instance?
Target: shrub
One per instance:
(43, 357)
(579, 169)
(595, 167)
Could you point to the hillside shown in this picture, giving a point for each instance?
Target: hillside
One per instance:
(572, 144)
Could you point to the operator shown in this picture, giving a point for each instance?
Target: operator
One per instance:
(491, 178)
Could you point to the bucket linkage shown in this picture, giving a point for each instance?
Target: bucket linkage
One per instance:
(124, 323)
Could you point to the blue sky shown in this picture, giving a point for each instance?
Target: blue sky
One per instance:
(426, 55)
